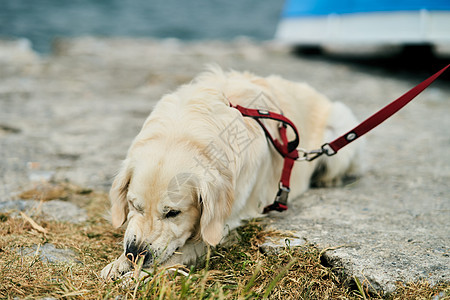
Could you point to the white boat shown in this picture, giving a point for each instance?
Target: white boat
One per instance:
(365, 22)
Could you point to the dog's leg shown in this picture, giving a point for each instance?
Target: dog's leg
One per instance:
(347, 163)
(188, 255)
(117, 268)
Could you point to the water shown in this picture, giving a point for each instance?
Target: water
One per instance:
(41, 21)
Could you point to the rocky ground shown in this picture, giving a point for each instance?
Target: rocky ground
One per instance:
(71, 116)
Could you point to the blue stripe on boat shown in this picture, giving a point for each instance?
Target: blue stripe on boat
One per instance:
(300, 8)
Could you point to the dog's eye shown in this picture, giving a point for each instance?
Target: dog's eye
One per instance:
(172, 213)
(136, 207)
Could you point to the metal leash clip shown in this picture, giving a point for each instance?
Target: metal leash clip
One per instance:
(313, 154)
(309, 155)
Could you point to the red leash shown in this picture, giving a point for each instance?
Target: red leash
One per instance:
(290, 153)
(382, 114)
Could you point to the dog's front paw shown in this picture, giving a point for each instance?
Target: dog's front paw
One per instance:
(117, 268)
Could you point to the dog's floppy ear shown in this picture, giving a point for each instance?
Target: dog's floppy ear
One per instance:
(216, 200)
(118, 195)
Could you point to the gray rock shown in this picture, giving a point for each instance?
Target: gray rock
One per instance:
(49, 253)
(54, 210)
(57, 210)
(16, 205)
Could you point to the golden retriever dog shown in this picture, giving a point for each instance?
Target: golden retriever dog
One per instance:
(198, 167)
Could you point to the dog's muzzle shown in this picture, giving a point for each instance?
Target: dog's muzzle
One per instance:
(135, 252)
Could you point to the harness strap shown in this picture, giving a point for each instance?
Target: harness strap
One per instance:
(286, 148)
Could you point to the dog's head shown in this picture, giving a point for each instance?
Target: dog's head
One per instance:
(168, 197)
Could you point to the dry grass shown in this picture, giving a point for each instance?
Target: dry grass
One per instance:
(239, 271)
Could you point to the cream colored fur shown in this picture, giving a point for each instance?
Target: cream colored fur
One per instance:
(200, 157)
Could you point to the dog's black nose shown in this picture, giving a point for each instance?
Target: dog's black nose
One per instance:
(134, 252)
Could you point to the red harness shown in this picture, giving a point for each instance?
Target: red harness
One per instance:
(290, 152)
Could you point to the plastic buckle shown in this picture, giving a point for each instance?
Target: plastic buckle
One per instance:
(282, 194)
(280, 202)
